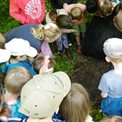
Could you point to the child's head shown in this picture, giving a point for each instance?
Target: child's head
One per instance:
(118, 21)
(42, 95)
(20, 47)
(105, 7)
(53, 14)
(50, 32)
(2, 40)
(112, 119)
(39, 61)
(113, 49)
(76, 13)
(64, 21)
(75, 106)
(16, 78)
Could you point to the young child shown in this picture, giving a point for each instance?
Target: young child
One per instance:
(20, 50)
(110, 84)
(40, 61)
(75, 107)
(27, 11)
(48, 92)
(112, 119)
(78, 13)
(13, 83)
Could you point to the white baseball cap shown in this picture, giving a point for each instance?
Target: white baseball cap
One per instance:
(4, 55)
(19, 47)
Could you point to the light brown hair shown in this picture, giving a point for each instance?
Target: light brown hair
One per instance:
(76, 106)
(112, 119)
(2, 40)
(16, 78)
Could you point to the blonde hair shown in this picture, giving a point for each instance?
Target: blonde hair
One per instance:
(106, 8)
(2, 40)
(16, 78)
(112, 119)
(76, 106)
(38, 32)
(115, 60)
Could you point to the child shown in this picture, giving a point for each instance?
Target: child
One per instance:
(110, 84)
(37, 35)
(40, 60)
(75, 107)
(20, 50)
(45, 93)
(112, 119)
(28, 11)
(14, 81)
(78, 14)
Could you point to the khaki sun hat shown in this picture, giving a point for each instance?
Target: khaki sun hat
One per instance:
(42, 95)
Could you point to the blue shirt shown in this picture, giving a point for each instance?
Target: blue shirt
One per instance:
(24, 32)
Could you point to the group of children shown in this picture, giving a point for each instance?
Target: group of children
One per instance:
(30, 90)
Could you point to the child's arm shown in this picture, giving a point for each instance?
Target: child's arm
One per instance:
(104, 94)
(15, 12)
(68, 30)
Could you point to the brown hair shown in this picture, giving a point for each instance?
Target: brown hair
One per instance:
(106, 8)
(39, 61)
(2, 40)
(76, 106)
(53, 14)
(16, 78)
(112, 119)
(115, 60)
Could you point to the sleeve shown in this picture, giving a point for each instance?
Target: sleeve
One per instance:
(15, 12)
(103, 86)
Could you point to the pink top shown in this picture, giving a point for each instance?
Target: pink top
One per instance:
(28, 11)
(68, 7)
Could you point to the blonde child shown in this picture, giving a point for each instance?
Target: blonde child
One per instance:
(110, 84)
(20, 50)
(48, 92)
(75, 107)
(13, 83)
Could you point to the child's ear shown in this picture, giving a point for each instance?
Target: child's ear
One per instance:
(107, 59)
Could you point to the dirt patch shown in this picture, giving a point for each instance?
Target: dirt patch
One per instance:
(88, 72)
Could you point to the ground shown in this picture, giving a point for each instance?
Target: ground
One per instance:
(88, 72)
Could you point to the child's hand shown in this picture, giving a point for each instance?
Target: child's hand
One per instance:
(73, 30)
(44, 69)
(5, 112)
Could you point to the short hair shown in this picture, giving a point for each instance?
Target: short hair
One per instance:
(16, 78)
(2, 40)
(112, 119)
(106, 8)
(76, 105)
(39, 61)
(63, 21)
(53, 13)
(76, 13)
